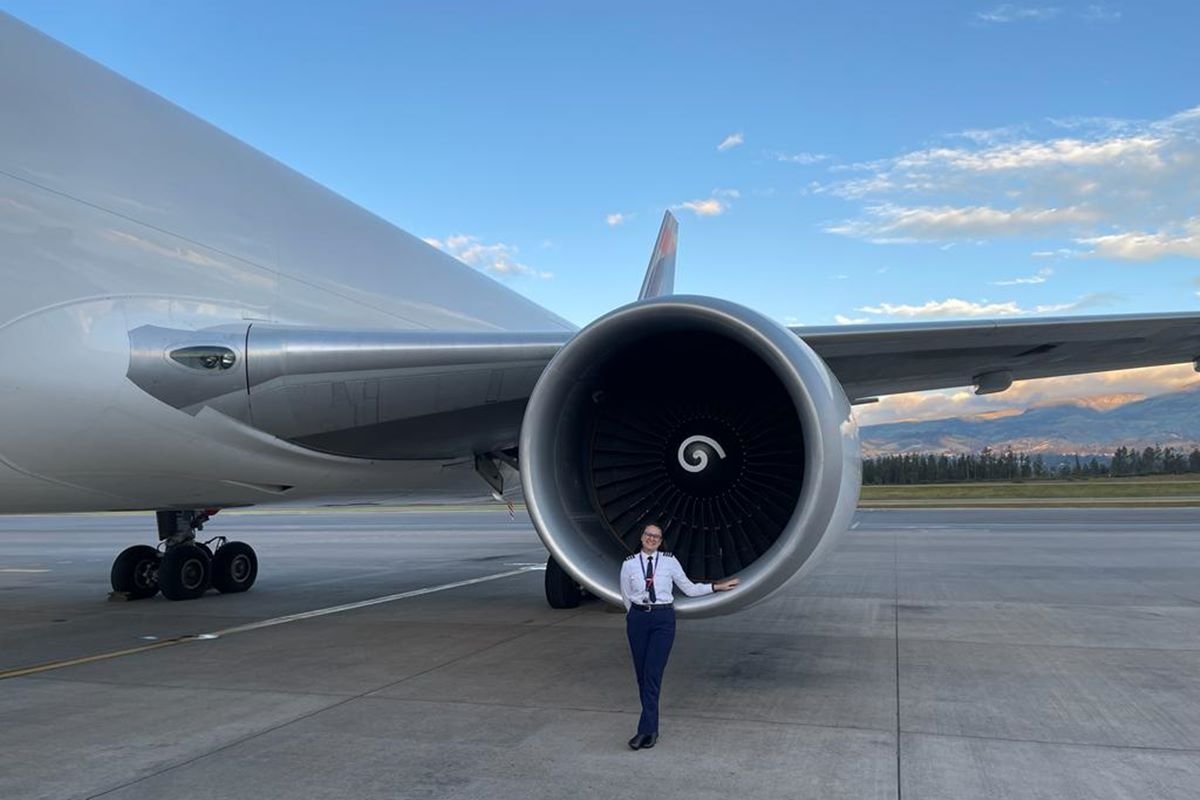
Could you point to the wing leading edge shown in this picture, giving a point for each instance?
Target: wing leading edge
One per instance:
(872, 360)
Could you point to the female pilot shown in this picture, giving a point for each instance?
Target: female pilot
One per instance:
(647, 578)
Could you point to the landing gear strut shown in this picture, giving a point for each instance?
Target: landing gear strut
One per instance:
(186, 568)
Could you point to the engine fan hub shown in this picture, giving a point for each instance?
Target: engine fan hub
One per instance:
(704, 457)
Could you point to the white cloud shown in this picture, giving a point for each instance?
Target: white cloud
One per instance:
(1124, 189)
(799, 158)
(842, 319)
(709, 207)
(498, 259)
(1144, 149)
(712, 206)
(617, 218)
(1041, 276)
(1059, 253)
(731, 141)
(951, 308)
(891, 223)
(982, 136)
(1008, 12)
(1142, 246)
(955, 308)
(1100, 13)
(1093, 300)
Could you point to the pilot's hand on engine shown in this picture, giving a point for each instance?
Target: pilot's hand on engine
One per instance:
(725, 586)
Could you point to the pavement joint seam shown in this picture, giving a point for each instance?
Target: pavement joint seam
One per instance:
(910, 600)
(896, 618)
(1141, 582)
(1041, 645)
(634, 713)
(1052, 742)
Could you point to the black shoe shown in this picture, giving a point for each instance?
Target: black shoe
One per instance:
(639, 741)
(649, 741)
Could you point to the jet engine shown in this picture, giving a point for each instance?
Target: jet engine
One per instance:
(706, 418)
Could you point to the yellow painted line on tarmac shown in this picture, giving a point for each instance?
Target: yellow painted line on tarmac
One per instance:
(266, 623)
(74, 662)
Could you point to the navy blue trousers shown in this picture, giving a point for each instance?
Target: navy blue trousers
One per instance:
(651, 634)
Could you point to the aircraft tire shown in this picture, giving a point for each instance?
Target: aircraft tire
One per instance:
(234, 567)
(135, 572)
(185, 572)
(561, 589)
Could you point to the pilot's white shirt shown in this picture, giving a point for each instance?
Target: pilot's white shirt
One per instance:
(667, 574)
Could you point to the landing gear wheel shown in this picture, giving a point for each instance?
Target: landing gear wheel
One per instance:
(561, 589)
(135, 572)
(185, 572)
(234, 567)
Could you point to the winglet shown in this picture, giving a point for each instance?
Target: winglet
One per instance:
(660, 275)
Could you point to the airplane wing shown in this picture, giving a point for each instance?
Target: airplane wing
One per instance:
(872, 360)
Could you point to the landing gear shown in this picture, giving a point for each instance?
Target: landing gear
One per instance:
(135, 572)
(561, 589)
(185, 568)
(185, 572)
(234, 567)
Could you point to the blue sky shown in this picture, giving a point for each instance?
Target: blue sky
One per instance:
(828, 162)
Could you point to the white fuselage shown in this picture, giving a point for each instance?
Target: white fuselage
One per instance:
(119, 210)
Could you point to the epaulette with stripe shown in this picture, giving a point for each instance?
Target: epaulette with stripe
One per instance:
(631, 556)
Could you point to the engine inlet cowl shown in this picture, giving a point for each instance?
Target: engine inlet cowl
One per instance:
(704, 417)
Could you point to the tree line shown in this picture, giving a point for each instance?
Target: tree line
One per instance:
(1012, 465)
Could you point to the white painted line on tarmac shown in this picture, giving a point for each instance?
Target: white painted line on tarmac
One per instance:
(374, 601)
(24, 571)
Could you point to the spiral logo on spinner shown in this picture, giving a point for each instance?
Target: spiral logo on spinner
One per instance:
(696, 460)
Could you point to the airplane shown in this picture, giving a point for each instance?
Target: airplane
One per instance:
(187, 325)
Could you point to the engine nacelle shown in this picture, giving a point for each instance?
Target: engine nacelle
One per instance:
(702, 416)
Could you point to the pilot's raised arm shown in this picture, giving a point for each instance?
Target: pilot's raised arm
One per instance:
(680, 578)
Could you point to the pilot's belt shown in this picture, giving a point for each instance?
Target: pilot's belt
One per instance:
(652, 607)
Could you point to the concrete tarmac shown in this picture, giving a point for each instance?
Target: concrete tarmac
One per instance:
(935, 654)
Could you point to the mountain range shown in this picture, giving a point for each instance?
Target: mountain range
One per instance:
(1095, 426)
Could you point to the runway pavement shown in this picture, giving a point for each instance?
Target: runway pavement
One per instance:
(935, 654)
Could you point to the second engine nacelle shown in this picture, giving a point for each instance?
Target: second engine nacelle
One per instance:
(707, 418)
